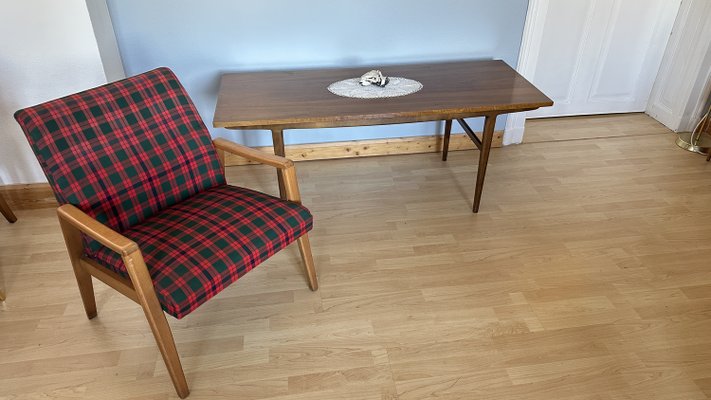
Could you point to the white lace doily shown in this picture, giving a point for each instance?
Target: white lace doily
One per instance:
(395, 88)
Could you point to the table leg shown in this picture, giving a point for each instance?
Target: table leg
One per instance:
(487, 138)
(6, 211)
(447, 134)
(278, 141)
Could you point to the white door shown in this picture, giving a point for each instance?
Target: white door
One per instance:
(596, 56)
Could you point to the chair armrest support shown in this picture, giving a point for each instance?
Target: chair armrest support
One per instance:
(73, 221)
(285, 166)
(96, 230)
(252, 154)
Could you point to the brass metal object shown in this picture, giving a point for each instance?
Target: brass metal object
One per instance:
(699, 144)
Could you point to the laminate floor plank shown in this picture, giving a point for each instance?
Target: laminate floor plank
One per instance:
(585, 276)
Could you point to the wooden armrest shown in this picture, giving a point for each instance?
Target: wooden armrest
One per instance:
(96, 230)
(252, 154)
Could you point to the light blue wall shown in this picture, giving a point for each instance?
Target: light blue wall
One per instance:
(200, 40)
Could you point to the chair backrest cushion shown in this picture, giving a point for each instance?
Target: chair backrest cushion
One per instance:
(123, 151)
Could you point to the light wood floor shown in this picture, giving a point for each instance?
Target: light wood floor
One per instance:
(586, 275)
(591, 127)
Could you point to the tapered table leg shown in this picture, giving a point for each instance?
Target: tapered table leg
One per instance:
(447, 134)
(278, 140)
(487, 138)
(6, 211)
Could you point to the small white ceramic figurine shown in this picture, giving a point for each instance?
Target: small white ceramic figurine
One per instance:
(374, 77)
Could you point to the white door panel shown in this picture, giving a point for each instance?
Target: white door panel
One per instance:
(600, 56)
(560, 72)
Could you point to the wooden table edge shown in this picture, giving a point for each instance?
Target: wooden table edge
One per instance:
(371, 119)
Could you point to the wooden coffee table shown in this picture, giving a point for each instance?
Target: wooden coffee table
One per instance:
(279, 100)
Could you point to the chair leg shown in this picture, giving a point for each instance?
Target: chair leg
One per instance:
(291, 189)
(86, 289)
(2, 295)
(143, 284)
(6, 211)
(166, 344)
(305, 249)
(75, 247)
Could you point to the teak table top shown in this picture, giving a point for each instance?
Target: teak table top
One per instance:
(299, 99)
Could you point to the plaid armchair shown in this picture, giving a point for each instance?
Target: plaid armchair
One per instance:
(144, 206)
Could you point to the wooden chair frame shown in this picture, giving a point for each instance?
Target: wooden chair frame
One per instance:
(139, 286)
(11, 218)
(6, 210)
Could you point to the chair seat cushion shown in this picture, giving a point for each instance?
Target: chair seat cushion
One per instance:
(197, 247)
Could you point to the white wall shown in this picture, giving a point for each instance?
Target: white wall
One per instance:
(48, 50)
(683, 84)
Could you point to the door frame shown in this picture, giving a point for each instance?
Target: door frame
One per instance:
(527, 61)
(679, 96)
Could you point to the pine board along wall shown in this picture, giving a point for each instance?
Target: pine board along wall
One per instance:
(201, 40)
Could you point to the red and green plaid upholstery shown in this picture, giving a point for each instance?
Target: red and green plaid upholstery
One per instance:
(123, 151)
(136, 156)
(197, 247)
